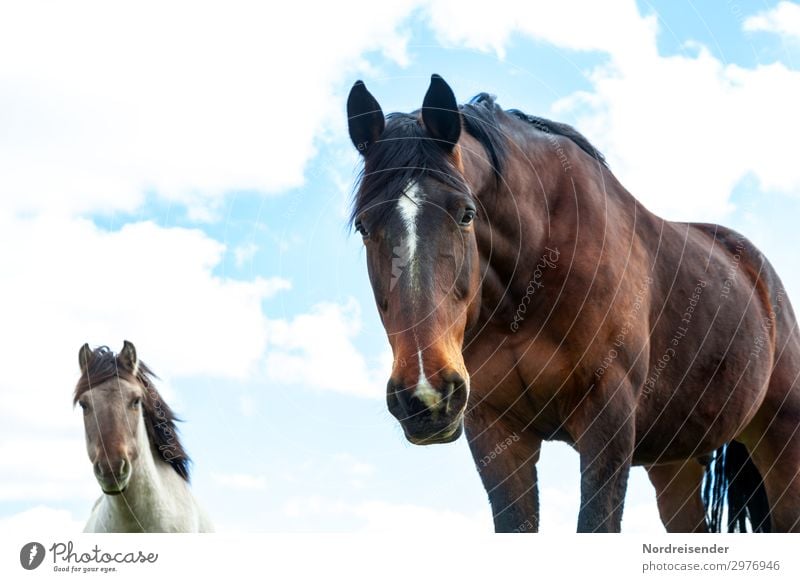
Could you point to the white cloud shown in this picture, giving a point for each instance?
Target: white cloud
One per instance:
(240, 481)
(354, 466)
(356, 472)
(102, 103)
(490, 30)
(377, 516)
(783, 19)
(42, 520)
(680, 131)
(640, 514)
(68, 282)
(244, 254)
(384, 517)
(248, 405)
(216, 100)
(47, 465)
(315, 349)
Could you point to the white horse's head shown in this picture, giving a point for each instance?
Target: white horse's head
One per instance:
(124, 417)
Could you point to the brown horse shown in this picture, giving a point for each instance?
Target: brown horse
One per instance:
(527, 296)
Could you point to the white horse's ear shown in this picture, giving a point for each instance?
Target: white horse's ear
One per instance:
(85, 356)
(128, 357)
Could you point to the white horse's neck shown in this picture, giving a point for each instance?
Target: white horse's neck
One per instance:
(157, 499)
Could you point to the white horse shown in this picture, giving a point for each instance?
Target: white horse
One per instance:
(133, 444)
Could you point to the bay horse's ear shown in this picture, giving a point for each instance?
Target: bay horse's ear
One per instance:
(85, 356)
(364, 117)
(127, 357)
(440, 113)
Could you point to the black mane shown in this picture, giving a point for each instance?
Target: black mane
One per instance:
(404, 153)
(548, 126)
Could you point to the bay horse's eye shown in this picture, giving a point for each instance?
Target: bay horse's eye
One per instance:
(361, 229)
(468, 217)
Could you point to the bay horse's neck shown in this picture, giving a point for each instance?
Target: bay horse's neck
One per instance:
(550, 206)
(152, 497)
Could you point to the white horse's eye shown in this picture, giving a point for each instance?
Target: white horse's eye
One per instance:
(136, 402)
(362, 230)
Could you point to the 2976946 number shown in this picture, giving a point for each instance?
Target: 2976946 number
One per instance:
(754, 565)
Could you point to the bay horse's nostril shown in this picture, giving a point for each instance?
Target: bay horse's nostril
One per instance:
(392, 400)
(402, 394)
(409, 404)
(455, 394)
(448, 396)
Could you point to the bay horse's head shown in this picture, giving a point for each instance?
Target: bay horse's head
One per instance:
(415, 211)
(124, 416)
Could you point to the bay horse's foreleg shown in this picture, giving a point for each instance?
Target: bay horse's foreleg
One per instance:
(506, 461)
(678, 494)
(604, 431)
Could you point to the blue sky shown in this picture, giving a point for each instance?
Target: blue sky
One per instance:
(194, 202)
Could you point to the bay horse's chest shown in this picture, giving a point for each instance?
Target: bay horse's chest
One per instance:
(530, 382)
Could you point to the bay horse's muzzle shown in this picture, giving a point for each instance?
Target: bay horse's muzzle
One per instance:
(429, 415)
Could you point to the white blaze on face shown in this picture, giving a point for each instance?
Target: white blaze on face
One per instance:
(409, 205)
(430, 397)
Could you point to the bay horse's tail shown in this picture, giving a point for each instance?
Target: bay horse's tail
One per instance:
(731, 475)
